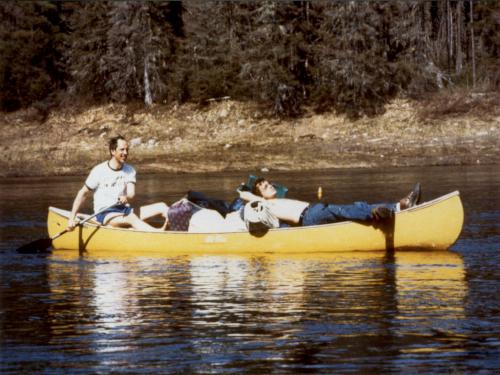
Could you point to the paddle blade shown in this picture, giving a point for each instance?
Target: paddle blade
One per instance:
(38, 246)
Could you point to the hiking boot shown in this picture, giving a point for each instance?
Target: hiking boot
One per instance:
(382, 213)
(412, 199)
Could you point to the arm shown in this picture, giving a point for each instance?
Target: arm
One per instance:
(248, 196)
(80, 198)
(130, 194)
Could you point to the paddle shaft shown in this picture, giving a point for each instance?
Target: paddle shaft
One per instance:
(43, 244)
(84, 221)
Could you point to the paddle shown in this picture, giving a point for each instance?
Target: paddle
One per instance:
(43, 244)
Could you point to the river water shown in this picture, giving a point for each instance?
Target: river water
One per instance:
(408, 312)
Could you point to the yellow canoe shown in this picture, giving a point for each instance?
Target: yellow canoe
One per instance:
(431, 225)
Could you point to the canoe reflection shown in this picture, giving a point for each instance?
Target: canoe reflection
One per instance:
(296, 305)
(431, 291)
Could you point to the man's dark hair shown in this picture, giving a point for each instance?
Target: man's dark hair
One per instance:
(255, 189)
(113, 142)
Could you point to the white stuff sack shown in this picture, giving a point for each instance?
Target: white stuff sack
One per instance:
(259, 212)
(234, 222)
(206, 221)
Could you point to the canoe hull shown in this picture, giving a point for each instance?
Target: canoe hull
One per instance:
(432, 225)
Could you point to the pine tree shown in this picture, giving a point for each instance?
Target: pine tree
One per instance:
(122, 51)
(87, 49)
(278, 54)
(208, 61)
(30, 45)
(488, 34)
(139, 51)
(360, 61)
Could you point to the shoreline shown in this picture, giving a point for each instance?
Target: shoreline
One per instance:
(248, 171)
(232, 136)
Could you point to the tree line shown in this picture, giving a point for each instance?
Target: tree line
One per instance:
(348, 56)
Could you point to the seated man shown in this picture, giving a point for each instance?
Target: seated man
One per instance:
(298, 212)
(112, 184)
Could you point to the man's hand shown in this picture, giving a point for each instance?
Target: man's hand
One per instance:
(122, 199)
(81, 196)
(243, 187)
(72, 223)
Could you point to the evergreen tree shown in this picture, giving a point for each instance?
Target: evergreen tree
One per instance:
(361, 59)
(352, 56)
(30, 50)
(208, 61)
(122, 51)
(88, 47)
(488, 32)
(139, 51)
(277, 54)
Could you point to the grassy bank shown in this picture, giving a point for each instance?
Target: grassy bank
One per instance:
(228, 135)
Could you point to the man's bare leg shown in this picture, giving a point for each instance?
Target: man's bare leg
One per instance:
(131, 220)
(154, 209)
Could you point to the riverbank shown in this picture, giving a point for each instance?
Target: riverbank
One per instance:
(227, 135)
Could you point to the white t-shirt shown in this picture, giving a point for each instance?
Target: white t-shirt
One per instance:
(108, 184)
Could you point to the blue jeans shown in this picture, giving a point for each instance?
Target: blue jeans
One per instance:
(320, 213)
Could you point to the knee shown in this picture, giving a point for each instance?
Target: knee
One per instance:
(131, 218)
(127, 220)
(152, 210)
(163, 209)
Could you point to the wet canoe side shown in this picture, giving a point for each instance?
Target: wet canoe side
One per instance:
(435, 225)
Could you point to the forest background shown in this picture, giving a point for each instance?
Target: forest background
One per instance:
(219, 85)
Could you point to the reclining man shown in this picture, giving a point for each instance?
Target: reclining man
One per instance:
(296, 212)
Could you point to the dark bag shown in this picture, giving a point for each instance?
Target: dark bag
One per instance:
(202, 200)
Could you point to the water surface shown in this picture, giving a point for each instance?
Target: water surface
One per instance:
(425, 311)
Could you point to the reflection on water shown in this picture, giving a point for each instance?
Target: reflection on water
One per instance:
(431, 293)
(437, 277)
(217, 311)
(425, 311)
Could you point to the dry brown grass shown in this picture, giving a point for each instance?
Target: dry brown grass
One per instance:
(230, 135)
(459, 103)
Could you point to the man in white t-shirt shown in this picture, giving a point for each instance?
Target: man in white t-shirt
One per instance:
(112, 181)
